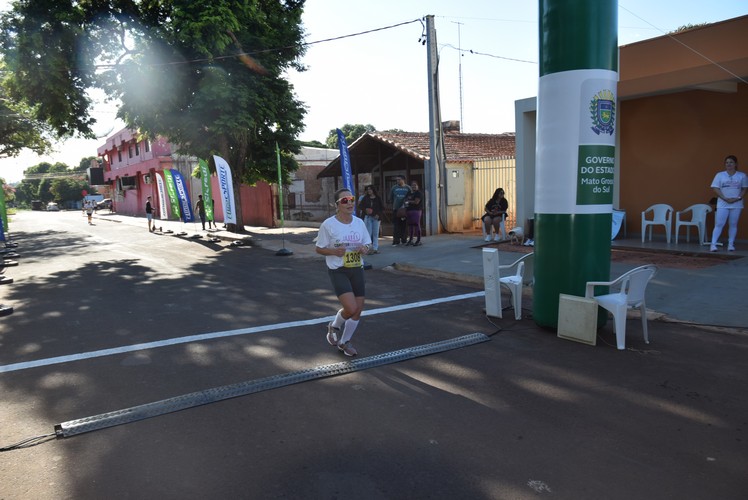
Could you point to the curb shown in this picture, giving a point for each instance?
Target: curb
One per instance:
(433, 273)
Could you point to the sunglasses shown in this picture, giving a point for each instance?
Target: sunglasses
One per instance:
(346, 200)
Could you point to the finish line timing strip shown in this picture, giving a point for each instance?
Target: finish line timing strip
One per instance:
(207, 396)
(215, 335)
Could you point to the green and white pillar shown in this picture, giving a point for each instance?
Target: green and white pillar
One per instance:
(575, 153)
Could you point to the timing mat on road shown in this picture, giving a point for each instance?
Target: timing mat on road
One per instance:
(207, 396)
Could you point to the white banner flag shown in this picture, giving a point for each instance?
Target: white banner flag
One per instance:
(226, 187)
(161, 196)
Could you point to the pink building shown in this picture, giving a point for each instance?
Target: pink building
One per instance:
(130, 163)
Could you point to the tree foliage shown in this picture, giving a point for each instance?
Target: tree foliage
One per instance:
(18, 128)
(687, 27)
(68, 189)
(8, 190)
(85, 163)
(313, 144)
(350, 132)
(52, 182)
(208, 76)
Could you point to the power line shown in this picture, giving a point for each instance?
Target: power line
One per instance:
(475, 52)
(706, 58)
(264, 51)
(56, 175)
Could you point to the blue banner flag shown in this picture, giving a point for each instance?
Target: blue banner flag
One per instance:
(183, 195)
(345, 163)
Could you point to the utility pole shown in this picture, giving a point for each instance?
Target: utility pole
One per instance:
(459, 65)
(432, 171)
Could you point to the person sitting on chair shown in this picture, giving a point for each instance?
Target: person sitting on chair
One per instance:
(495, 215)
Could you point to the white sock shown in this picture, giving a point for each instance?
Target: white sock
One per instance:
(350, 327)
(339, 320)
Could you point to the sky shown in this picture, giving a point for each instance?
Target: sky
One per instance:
(380, 78)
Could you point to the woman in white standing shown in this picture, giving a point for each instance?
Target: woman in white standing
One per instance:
(730, 186)
(342, 239)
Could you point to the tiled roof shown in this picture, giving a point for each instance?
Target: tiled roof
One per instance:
(365, 152)
(459, 147)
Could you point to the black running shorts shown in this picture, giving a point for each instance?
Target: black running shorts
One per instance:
(347, 280)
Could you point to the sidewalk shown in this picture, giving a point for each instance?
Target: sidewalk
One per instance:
(711, 296)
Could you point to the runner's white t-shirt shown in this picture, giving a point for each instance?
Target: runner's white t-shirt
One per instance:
(334, 234)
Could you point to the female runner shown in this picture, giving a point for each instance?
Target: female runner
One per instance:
(342, 239)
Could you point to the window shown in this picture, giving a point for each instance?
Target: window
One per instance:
(147, 145)
(129, 150)
(126, 183)
(137, 149)
(119, 155)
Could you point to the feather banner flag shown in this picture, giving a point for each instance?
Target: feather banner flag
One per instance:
(184, 197)
(207, 191)
(345, 163)
(161, 190)
(172, 192)
(226, 185)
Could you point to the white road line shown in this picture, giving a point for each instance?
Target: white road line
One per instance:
(215, 335)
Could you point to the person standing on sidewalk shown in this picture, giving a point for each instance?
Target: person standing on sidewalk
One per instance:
(397, 195)
(149, 214)
(371, 209)
(730, 187)
(413, 211)
(213, 220)
(200, 209)
(342, 239)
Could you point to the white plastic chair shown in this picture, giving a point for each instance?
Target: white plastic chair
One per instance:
(698, 219)
(662, 215)
(523, 275)
(631, 291)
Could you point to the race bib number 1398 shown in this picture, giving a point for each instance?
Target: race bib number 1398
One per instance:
(352, 259)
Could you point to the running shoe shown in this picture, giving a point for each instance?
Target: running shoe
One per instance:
(712, 248)
(731, 248)
(487, 238)
(332, 334)
(347, 349)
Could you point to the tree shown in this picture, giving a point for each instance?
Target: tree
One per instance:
(313, 144)
(350, 132)
(67, 189)
(39, 182)
(26, 192)
(8, 190)
(18, 128)
(208, 76)
(687, 27)
(85, 163)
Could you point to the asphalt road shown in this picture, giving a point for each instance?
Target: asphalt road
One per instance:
(523, 415)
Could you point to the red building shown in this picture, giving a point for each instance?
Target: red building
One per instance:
(130, 163)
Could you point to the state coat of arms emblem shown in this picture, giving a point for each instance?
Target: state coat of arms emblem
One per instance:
(603, 112)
